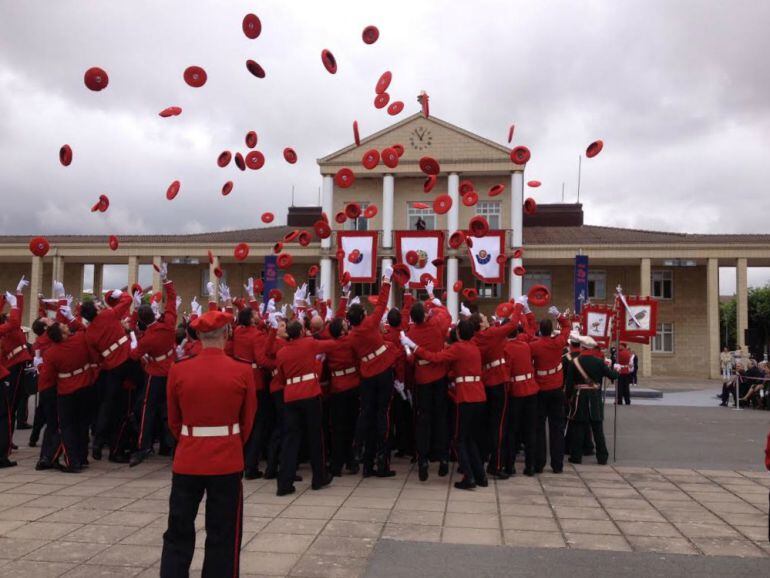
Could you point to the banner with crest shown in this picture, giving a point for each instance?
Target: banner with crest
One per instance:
(423, 253)
(357, 255)
(485, 254)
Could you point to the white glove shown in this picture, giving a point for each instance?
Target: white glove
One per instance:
(261, 309)
(66, 312)
(524, 302)
(319, 293)
(387, 273)
(58, 290)
(406, 342)
(321, 357)
(37, 360)
(554, 312)
(11, 300)
(272, 319)
(224, 292)
(355, 300)
(134, 342)
(346, 289)
(178, 302)
(163, 271)
(250, 288)
(271, 306)
(180, 350)
(155, 306)
(429, 288)
(464, 311)
(69, 300)
(285, 311)
(137, 299)
(116, 294)
(195, 307)
(210, 291)
(300, 294)
(436, 301)
(329, 314)
(22, 284)
(399, 387)
(616, 367)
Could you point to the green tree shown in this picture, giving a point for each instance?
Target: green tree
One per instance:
(759, 318)
(727, 324)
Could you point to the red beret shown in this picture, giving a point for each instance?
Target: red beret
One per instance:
(313, 271)
(284, 261)
(340, 217)
(530, 206)
(371, 159)
(259, 285)
(275, 294)
(534, 184)
(370, 34)
(278, 247)
(520, 155)
(456, 239)
(381, 100)
(519, 271)
(239, 162)
(352, 210)
(356, 136)
(470, 198)
(114, 243)
(227, 188)
(195, 76)
(173, 190)
(288, 278)
(322, 229)
(518, 253)
(329, 62)
(65, 155)
(255, 160)
(344, 178)
(304, 238)
(289, 237)
(412, 258)
(370, 211)
(426, 278)
(478, 226)
(241, 251)
(395, 107)
(267, 217)
(504, 309)
(470, 294)
(539, 295)
(401, 274)
(437, 262)
(96, 79)
(39, 246)
(218, 272)
(502, 258)
(340, 254)
(251, 139)
(466, 186)
(211, 321)
(429, 183)
(510, 132)
(170, 111)
(224, 158)
(419, 205)
(252, 27)
(345, 278)
(289, 155)
(442, 204)
(594, 148)
(458, 286)
(429, 166)
(399, 149)
(496, 190)
(390, 157)
(384, 82)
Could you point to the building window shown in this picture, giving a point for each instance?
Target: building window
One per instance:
(366, 289)
(597, 285)
(205, 280)
(490, 210)
(427, 215)
(359, 224)
(488, 290)
(536, 278)
(663, 342)
(663, 284)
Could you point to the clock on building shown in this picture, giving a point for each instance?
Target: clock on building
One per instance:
(420, 138)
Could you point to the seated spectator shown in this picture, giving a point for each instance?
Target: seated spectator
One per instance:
(730, 386)
(755, 380)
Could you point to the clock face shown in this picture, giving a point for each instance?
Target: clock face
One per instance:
(420, 138)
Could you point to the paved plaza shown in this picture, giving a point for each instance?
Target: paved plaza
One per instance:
(109, 520)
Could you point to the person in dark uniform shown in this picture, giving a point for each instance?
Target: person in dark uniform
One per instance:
(584, 382)
(211, 406)
(570, 353)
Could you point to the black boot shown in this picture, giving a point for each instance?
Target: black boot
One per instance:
(285, 491)
(138, 457)
(252, 474)
(443, 468)
(352, 467)
(6, 463)
(325, 482)
(43, 465)
(465, 484)
(422, 469)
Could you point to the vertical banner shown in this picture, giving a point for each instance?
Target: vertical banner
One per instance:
(271, 276)
(581, 281)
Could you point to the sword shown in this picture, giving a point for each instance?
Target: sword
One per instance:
(628, 309)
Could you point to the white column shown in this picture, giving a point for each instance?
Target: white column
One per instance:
(742, 295)
(517, 230)
(212, 277)
(57, 273)
(388, 186)
(327, 205)
(453, 216)
(133, 270)
(712, 316)
(98, 280)
(327, 281)
(156, 261)
(452, 301)
(35, 287)
(645, 282)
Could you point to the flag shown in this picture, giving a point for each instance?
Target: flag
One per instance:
(484, 257)
(360, 259)
(429, 246)
(581, 281)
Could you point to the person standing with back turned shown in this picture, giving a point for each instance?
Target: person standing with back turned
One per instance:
(211, 406)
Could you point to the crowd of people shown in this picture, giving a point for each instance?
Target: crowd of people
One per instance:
(745, 380)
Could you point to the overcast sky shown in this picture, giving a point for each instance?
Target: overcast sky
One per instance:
(679, 92)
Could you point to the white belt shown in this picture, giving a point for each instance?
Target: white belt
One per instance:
(76, 372)
(19, 349)
(376, 353)
(468, 379)
(300, 379)
(495, 363)
(343, 372)
(423, 362)
(273, 372)
(94, 366)
(556, 369)
(198, 431)
(522, 377)
(254, 366)
(114, 346)
(163, 357)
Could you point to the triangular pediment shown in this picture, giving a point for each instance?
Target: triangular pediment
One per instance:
(420, 136)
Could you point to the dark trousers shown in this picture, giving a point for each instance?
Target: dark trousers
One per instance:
(74, 414)
(277, 432)
(587, 420)
(15, 392)
(256, 442)
(5, 418)
(497, 410)
(373, 426)
(550, 407)
(623, 392)
(38, 422)
(431, 435)
(469, 431)
(109, 399)
(151, 407)
(343, 411)
(522, 425)
(224, 515)
(299, 415)
(402, 429)
(46, 409)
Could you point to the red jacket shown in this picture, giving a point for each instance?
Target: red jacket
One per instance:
(518, 356)
(42, 344)
(342, 361)
(244, 344)
(367, 340)
(767, 452)
(68, 365)
(105, 332)
(191, 348)
(546, 355)
(296, 360)
(491, 343)
(13, 343)
(266, 358)
(427, 335)
(464, 359)
(13, 324)
(158, 343)
(625, 359)
(210, 390)
(392, 335)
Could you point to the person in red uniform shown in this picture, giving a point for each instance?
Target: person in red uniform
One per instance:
(430, 392)
(46, 415)
(298, 369)
(69, 366)
(376, 359)
(15, 355)
(211, 405)
(157, 350)
(8, 327)
(464, 360)
(401, 409)
(109, 344)
(546, 355)
(626, 362)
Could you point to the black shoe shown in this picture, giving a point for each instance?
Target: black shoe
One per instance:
(325, 482)
(443, 468)
(422, 470)
(24, 425)
(352, 468)
(336, 472)
(96, 451)
(285, 491)
(723, 404)
(368, 471)
(602, 462)
(384, 473)
(138, 457)
(166, 451)
(119, 458)
(483, 482)
(498, 475)
(558, 470)
(14, 446)
(252, 474)
(270, 473)
(70, 469)
(465, 484)
(6, 463)
(529, 472)
(538, 470)
(43, 465)
(297, 478)
(574, 460)
(33, 441)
